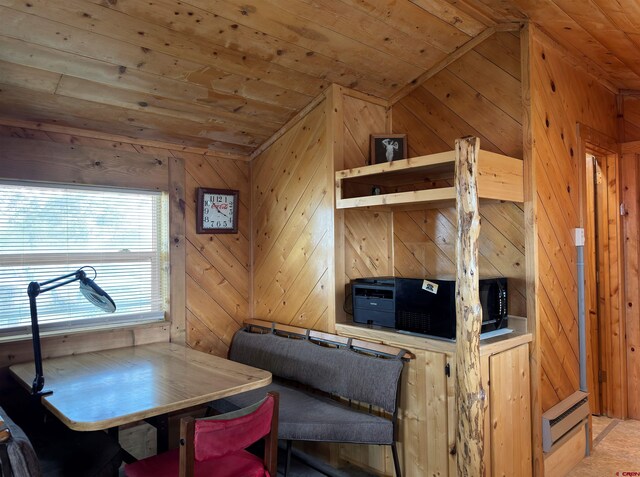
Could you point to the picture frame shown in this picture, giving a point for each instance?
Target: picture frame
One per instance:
(387, 148)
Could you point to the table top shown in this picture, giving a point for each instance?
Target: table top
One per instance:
(104, 389)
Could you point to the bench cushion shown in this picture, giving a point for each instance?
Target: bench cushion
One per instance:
(308, 417)
(342, 372)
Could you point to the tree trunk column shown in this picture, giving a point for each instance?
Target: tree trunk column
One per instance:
(470, 396)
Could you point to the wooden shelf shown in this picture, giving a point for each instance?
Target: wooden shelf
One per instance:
(499, 178)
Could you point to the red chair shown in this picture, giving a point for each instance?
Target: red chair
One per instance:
(215, 446)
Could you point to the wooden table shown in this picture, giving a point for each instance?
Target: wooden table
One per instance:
(106, 389)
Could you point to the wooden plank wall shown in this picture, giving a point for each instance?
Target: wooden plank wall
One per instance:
(480, 95)
(216, 269)
(631, 228)
(561, 97)
(217, 265)
(292, 225)
(631, 113)
(629, 133)
(477, 95)
(367, 235)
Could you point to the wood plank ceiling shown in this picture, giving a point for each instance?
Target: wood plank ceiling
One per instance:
(226, 75)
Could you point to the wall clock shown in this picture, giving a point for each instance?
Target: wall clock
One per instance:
(217, 211)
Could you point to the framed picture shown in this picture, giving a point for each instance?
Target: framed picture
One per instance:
(387, 148)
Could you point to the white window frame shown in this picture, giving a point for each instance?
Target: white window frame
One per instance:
(159, 267)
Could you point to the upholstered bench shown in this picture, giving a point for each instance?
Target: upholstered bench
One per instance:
(324, 385)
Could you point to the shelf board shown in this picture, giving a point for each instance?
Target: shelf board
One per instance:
(403, 165)
(499, 178)
(399, 198)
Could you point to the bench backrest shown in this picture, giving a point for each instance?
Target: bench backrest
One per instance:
(338, 371)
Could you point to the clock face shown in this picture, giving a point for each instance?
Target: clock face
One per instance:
(217, 211)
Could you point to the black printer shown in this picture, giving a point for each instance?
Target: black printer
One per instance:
(425, 306)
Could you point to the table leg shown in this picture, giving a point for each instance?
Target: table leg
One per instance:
(161, 423)
(115, 435)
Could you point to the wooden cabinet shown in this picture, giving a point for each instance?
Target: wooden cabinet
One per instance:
(428, 413)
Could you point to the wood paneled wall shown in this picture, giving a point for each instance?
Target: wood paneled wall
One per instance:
(479, 95)
(561, 97)
(292, 225)
(425, 247)
(216, 269)
(631, 226)
(631, 114)
(368, 236)
(217, 265)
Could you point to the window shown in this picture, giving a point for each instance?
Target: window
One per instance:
(48, 231)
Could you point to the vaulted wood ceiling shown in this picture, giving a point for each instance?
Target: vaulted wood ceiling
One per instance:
(226, 75)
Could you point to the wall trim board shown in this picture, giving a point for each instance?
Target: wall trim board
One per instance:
(363, 96)
(531, 247)
(55, 128)
(335, 146)
(177, 254)
(630, 92)
(455, 55)
(620, 116)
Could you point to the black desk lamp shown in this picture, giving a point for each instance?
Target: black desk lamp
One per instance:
(91, 292)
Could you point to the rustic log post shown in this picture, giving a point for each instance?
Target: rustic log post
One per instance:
(470, 397)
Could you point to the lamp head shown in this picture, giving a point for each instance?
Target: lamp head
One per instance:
(94, 294)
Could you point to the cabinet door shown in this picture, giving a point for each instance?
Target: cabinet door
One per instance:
(424, 437)
(510, 413)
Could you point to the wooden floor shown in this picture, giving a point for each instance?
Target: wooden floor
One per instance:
(616, 449)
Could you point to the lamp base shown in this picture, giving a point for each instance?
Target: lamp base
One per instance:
(44, 392)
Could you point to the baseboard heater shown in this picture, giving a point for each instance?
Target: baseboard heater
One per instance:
(562, 418)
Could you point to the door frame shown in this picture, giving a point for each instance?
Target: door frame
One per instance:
(612, 330)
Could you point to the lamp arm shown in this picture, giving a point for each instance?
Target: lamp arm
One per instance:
(33, 291)
(77, 276)
(95, 295)
(42, 290)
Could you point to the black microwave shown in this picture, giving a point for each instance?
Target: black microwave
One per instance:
(424, 306)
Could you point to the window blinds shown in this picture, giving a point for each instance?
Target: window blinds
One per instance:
(49, 231)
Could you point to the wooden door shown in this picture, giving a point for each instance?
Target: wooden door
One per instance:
(591, 290)
(607, 373)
